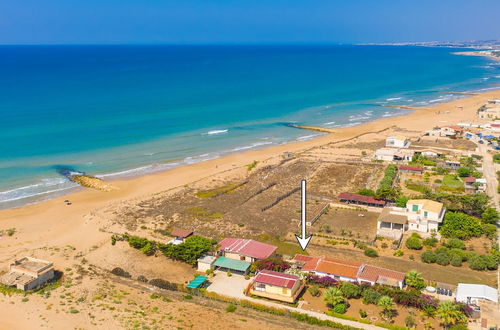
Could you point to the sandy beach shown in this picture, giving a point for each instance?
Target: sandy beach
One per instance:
(55, 224)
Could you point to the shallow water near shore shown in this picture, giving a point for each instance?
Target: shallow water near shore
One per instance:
(121, 111)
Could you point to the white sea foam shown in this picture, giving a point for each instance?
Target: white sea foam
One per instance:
(307, 137)
(217, 131)
(34, 195)
(393, 99)
(251, 146)
(329, 123)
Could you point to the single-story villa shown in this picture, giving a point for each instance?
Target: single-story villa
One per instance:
(336, 269)
(474, 293)
(360, 200)
(377, 275)
(392, 154)
(277, 286)
(245, 249)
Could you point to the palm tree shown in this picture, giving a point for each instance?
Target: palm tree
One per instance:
(450, 313)
(333, 296)
(387, 305)
(415, 280)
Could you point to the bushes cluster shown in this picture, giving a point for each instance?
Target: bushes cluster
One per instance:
(461, 226)
(120, 272)
(189, 251)
(456, 256)
(163, 284)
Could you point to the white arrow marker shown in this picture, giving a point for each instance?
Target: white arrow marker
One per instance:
(303, 241)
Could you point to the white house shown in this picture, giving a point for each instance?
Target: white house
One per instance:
(424, 215)
(397, 142)
(392, 154)
(421, 215)
(474, 293)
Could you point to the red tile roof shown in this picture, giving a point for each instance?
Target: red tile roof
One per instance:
(373, 274)
(360, 198)
(410, 168)
(281, 280)
(301, 257)
(177, 232)
(247, 247)
(495, 125)
(470, 179)
(332, 267)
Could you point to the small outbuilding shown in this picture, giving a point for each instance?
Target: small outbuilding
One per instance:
(473, 293)
(205, 263)
(28, 273)
(180, 235)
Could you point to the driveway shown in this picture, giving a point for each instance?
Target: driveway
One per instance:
(232, 286)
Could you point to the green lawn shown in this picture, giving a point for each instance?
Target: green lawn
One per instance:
(452, 180)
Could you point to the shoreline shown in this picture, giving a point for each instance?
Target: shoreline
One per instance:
(149, 184)
(156, 168)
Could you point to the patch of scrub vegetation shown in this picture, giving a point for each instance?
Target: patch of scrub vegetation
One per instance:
(226, 189)
(252, 165)
(284, 248)
(8, 232)
(202, 213)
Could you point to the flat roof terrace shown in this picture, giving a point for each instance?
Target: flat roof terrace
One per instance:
(31, 265)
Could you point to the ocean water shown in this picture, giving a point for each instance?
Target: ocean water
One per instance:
(120, 111)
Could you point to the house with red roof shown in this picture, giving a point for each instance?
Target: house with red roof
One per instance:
(377, 275)
(410, 169)
(334, 268)
(245, 249)
(277, 286)
(349, 271)
(360, 200)
(179, 235)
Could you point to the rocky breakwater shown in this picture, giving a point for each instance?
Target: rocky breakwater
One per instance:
(91, 182)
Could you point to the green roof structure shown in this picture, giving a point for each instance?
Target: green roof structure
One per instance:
(197, 282)
(233, 264)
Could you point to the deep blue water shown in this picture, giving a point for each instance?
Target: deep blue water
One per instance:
(125, 110)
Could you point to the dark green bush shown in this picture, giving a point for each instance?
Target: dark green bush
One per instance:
(456, 261)
(372, 253)
(414, 243)
(428, 257)
(442, 259)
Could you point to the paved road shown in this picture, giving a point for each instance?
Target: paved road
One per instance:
(490, 175)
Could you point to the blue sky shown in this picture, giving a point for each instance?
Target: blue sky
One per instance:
(249, 21)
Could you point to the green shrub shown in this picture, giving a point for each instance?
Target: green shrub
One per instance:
(428, 257)
(460, 225)
(490, 230)
(372, 253)
(398, 253)
(430, 242)
(350, 290)
(370, 296)
(442, 259)
(231, 309)
(340, 308)
(314, 290)
(456, 261)
(414, 243)
(362, 313)
(455, 243)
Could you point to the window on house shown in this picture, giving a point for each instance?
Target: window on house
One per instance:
(425, 214)
(415, 208)
(242, 257)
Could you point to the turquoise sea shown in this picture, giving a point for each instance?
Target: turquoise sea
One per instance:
(121, 111)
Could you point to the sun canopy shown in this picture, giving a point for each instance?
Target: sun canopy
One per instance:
(232, 264)
(197, 282)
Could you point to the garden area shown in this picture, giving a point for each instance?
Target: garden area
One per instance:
(383, 305)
